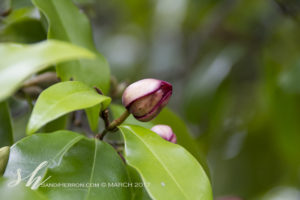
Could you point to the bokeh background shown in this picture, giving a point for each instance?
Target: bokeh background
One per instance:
(235, 68)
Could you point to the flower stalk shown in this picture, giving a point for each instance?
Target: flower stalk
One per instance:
(113, 125)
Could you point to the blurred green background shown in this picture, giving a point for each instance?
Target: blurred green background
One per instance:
(235, 68)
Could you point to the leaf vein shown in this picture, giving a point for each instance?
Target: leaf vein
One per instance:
(93, 169)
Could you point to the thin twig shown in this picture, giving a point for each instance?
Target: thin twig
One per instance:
(45, 79)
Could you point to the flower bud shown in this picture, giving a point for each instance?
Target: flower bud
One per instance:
(145, 98)
(165, 132)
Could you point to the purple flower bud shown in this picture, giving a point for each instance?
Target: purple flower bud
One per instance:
(165, 132)
(145, 98)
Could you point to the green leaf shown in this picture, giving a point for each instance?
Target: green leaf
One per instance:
(57, 124)
(21, 15)
(167, 169)
(27, 153)
(89, 162)
(19, 192)
(22, 26)
(67, 23)
(6, 132)
(4, 154)
(166, 116)
(65, 20)
(18, 62)
(184, 137)
(139, 191)
(71, 158)
(93, 117)
(61, 99)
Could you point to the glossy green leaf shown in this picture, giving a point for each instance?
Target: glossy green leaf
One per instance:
(71, 158)
(139, 191)
(18, 62)
(67, 23)
(89, 162)
(6, 132)
(61, 99)
(184, 137)
(93, 117)
(4, 154)
(27, 154)
(19, 192)
(166, 116)
(167, 169)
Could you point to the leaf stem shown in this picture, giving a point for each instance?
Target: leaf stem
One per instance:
(113, 125)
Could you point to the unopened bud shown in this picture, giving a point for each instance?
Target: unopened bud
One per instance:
(145, 98)
(165, 132)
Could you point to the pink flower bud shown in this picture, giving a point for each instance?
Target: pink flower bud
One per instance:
(165, 132)
(145, 98)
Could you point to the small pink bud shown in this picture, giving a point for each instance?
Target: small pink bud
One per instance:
(165, 132)
(145, 98)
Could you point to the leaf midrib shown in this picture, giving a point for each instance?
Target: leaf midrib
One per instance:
(92, 170)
